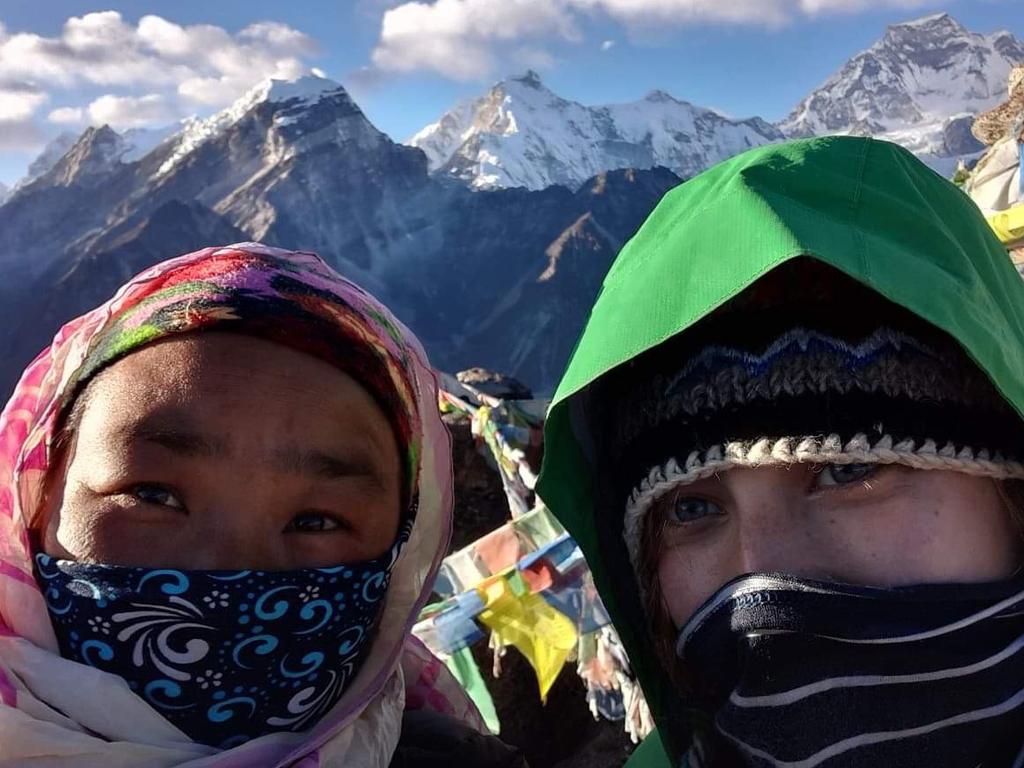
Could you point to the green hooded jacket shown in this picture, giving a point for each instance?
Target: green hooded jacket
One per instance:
(866, 207)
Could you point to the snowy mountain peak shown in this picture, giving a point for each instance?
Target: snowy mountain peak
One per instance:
(530, 79)
(941, 20)
(521, 134)
(917, 75)
(288, 99)
(658, 96)
(309, 89)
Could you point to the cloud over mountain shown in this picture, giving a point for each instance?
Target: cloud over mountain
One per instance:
(140, 73)
(472, 39)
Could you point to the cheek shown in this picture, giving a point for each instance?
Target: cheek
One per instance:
(75, 533)
(383, 513)
(686, 580)
(942, 531)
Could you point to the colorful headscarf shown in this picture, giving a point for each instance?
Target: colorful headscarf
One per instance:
(48, 710)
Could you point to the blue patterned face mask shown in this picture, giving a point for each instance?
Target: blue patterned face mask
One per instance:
(226, 656)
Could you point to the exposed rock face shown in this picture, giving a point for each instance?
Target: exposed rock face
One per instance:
(525, 332)
(957, 138)
(88, 279)
(520, 134)
(494, 384)
(48, 158)
(480, 503)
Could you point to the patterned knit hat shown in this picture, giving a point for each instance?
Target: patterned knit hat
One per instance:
(765, 385)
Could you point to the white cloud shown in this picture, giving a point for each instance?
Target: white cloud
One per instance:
(122, 112)
(150, 72)
(202, 64)
(469, 39)
(19, 102)
(682, 12)
(463, 39)
(607, 45)
(67, 116)
(850, 6)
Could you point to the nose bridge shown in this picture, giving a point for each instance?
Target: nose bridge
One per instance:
(771, 534)
(235, 535)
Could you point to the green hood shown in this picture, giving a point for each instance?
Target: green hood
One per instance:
(866, 207)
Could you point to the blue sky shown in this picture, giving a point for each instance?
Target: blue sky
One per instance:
(405, 63)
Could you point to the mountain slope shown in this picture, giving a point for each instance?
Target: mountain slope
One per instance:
(910, 84)
(291, 163)
(520, 134)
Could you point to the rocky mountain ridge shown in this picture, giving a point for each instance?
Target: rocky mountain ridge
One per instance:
(299, 165)
(521, 134)
(918, 86)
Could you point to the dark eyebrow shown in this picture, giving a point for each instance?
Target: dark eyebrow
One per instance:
(322, 465)
(183, 441)
(180, 436)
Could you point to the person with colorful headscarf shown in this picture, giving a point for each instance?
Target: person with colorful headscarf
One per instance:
(790, 445)
(224, 497)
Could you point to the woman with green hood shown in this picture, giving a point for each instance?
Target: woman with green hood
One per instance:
(789, 443)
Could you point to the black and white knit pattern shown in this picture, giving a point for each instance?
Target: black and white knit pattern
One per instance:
(813, 674)
(766, 452)
(883, 397)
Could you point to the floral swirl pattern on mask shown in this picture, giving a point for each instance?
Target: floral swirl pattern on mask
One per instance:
(226, 656)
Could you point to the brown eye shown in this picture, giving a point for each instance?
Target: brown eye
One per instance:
(832, 475)
(689, 509)
(156, 494)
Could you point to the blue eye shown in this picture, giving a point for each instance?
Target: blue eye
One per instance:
(156, 494)
(312, 522)
(690, 509)
(832, 475)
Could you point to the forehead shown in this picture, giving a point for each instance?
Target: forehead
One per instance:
(232, 383)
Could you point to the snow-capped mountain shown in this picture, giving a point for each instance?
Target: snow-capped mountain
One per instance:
(4, 192)
(921, 71)
(521, 134)
(286, 158)
(299, 165)
(911, 85)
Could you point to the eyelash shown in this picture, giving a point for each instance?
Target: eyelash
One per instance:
(338, 524)
(135, 490)
(871, 471)
(816, 485)
(332, 523)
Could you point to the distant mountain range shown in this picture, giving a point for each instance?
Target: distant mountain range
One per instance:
(917, 86)
(520, 134)
(490, 236)
(501, 278)
(914, 86)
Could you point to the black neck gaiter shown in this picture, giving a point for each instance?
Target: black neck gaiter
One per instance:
(803, 673)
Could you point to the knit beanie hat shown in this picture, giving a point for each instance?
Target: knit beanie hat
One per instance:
(801, 370)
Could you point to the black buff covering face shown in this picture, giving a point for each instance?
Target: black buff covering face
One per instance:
(806, 673)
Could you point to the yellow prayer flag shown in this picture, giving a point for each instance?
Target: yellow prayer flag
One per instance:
(544, 635)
